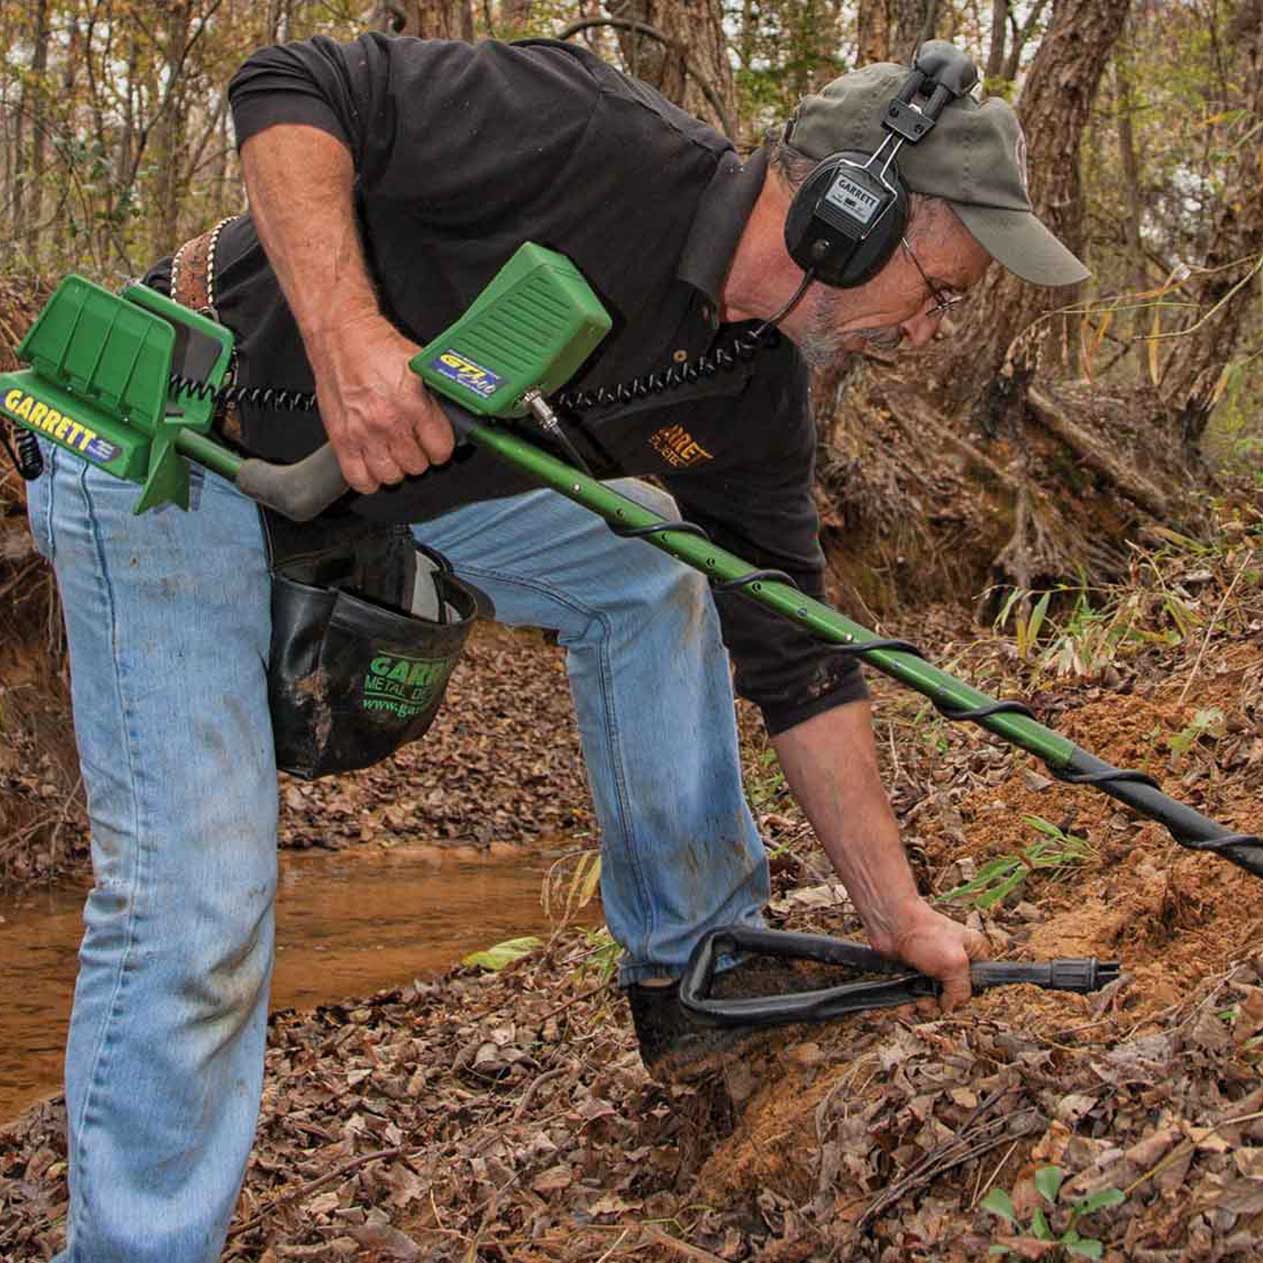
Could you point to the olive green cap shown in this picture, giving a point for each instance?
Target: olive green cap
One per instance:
(975, 158)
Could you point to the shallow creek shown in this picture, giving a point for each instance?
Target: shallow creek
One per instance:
(348, 924)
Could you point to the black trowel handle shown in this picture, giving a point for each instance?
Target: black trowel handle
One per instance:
(1071, 973)
(305, 489)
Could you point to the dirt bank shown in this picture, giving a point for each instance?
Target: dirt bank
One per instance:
(506, 1116)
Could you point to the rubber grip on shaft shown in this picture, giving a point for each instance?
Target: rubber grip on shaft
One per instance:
(299, 491)
(305, 489)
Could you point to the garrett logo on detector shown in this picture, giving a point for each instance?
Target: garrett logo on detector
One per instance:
(57, 425)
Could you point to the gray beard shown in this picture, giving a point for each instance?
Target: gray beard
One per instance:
(821, 345)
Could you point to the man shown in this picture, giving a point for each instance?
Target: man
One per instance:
(388, 180)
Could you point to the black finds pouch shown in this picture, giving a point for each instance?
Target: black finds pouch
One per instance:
(366, 628)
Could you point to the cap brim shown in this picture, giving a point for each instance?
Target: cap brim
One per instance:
(1021, 243)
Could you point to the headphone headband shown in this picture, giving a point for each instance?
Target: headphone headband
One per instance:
(849, 215)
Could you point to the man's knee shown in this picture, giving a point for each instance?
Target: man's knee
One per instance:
(220, 972)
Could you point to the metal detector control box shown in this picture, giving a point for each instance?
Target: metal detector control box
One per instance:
(98, 381)
(530, 329)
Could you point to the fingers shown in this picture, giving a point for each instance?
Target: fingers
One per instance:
(956, 986)
(382, 422)
(942, 948)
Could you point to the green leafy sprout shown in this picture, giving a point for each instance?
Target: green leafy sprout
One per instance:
(1054, 852)
(1048, 1181)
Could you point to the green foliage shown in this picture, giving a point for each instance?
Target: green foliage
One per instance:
(502, 954)
(1048, 1184)
(565, 896)
(1053, 853)
(764, 781)
(598, 964)
(1205, 722)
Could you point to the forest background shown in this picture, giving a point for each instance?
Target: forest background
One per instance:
(1062, 419)
(1143, 121)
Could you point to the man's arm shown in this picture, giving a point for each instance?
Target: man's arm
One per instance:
(381, 421)
(830, 762)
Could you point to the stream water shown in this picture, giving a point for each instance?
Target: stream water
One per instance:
(347, 924)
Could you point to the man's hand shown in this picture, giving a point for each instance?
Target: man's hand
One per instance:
(381, 420)
(935, 945)
(830, 762)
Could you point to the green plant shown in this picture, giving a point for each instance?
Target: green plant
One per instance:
(598, 963)
(1053, 852)
(764, 782)
(564, 897)
(502, 954)
(1210, 720)
(1048, 1181)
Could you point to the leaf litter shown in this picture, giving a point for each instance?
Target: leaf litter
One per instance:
(505, 1115)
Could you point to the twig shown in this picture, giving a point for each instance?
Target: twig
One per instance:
(982, 1191)
(574, 999)
(941, 1160)
(1210, 627)
(681, 1247)
(532, 1088)
(311, 1186)
(617, 1243)
(1186, 1148)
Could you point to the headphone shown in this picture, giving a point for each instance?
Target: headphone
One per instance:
(850, 213)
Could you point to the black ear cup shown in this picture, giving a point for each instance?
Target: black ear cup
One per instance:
(845, 221)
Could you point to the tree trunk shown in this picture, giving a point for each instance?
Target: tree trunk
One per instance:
(39, 132)
(691, 67)
(428, 19)
(995, 50)
(1124, 108)
(1054, 108)
(1224, 294)
(893, 30)
(170, 128)
(278, 21)
(659, 65)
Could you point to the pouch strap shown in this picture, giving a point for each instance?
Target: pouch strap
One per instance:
(193, 284)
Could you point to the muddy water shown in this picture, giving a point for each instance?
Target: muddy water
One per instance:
(347, 924)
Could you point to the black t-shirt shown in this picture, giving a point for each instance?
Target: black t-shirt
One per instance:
(462, 152)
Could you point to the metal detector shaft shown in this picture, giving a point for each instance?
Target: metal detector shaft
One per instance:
(956, 700)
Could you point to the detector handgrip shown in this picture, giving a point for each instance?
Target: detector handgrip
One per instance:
(305, 489)
(1082, 974)
(300, 491)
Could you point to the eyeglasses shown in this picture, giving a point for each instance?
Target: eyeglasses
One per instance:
(944, 300)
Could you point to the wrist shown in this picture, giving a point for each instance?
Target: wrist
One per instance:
(889, 922)
(359, 320)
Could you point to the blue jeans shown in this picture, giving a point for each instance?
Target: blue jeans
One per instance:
(168, 625)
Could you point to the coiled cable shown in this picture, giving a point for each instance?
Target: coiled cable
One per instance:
(28, 460)
(741, 350)
(233, 396)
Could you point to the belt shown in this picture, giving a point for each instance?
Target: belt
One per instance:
(193, 284)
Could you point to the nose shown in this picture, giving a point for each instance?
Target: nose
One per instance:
(922, 327)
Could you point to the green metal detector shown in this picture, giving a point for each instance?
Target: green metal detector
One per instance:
(129, 382)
